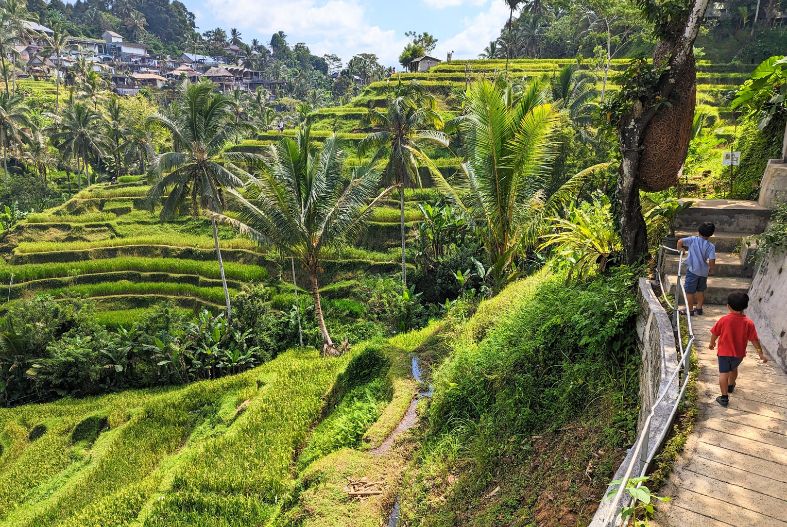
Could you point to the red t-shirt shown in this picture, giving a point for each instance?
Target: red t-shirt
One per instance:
(735, 331)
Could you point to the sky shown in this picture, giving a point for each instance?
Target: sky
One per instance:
(348, 27)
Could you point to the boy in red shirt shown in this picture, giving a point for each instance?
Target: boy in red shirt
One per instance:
(733, 332)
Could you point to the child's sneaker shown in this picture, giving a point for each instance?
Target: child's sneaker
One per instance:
(697, 311)
(723, 400)
(731, 388)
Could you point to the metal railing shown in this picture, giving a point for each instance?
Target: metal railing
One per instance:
(643, 455)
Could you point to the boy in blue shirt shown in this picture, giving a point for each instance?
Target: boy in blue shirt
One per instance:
(700, 263)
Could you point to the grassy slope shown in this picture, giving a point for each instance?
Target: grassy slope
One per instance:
(213, 453)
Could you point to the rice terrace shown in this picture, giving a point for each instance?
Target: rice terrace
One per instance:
(418, 264)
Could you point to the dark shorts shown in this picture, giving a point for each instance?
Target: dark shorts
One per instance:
(728, 364)
(694, 283)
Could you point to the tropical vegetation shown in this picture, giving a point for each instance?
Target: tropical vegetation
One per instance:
(300, 306)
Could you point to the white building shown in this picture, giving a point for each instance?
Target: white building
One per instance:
(425, 63)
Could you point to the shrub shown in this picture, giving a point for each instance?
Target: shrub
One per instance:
(552, 350)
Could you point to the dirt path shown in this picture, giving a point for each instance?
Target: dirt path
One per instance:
(734, 469)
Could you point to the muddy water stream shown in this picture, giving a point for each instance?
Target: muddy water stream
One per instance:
(409, 420)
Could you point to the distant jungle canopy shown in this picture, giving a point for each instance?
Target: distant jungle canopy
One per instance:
(601, 29)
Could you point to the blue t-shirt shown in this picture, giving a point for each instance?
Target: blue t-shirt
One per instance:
(700, 251)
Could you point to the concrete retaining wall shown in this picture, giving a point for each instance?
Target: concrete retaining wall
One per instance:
(773, 188)
(767, 309)
(659, 361)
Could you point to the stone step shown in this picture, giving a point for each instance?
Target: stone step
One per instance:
(728, 215)
(719, 287)
(730, 242)
(727, 264)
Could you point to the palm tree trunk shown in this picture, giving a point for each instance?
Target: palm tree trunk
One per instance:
(5, 69)
(221, 270)
(5, 151)
(57, 84)
(328, 348)
(508, 45)
(401, 225)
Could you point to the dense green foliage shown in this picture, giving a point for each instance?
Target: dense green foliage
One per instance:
(532, 359)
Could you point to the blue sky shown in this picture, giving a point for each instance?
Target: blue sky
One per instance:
(347, 27)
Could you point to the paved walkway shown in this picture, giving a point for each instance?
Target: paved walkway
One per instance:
(733, 471)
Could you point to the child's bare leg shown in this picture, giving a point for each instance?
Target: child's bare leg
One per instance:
(733, 377)
(700, 298)
(724, 383)
(690, 301)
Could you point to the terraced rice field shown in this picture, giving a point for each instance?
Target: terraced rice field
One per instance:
(449, 79)
(101, 245)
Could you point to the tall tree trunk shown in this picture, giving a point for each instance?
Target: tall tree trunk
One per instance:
(5, 70)
(756, 16)
(633, 231)
(328, 348)
(401, 225)
(221, 269)
(607, 63)
(5, 151)
(784, 145)
(57, 84)
(632, 128)
(510, 33)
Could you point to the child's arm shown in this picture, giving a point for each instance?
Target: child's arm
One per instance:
(758, 347)
(711, 266)
(713, 339)
(680, 245)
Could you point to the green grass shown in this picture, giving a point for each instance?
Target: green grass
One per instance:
(128, 317)
(101, 192)
(88, 217)
(183, 456)
(214, 295)
(207, 269)
(181, 240)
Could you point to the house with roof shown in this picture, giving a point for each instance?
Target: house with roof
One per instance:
(150, 80)
(424, 64)
(196, 60)
(38, 28)
(184, 71)
(221, 76)
(119, 49)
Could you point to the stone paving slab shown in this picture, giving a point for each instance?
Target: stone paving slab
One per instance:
(734, 468)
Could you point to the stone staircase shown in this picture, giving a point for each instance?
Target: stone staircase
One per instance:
(736, 221)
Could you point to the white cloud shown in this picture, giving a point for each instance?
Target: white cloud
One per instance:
(442, 4)
(332, 26)
(478, 31)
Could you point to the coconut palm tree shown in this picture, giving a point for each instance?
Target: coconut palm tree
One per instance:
(509, 151)
(116, 134)
(403, 129)
(16, 124)
(13, 23)
(38, 155)
(196, 172)
(56, 45)
(508, 146)
(490, 52)
(92, 87)
(78, 136)
(235, 37)
(512, 6)
(302, 204)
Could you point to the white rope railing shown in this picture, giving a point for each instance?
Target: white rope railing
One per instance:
(642, 454)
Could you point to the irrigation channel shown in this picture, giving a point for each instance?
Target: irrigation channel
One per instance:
(409, 420)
